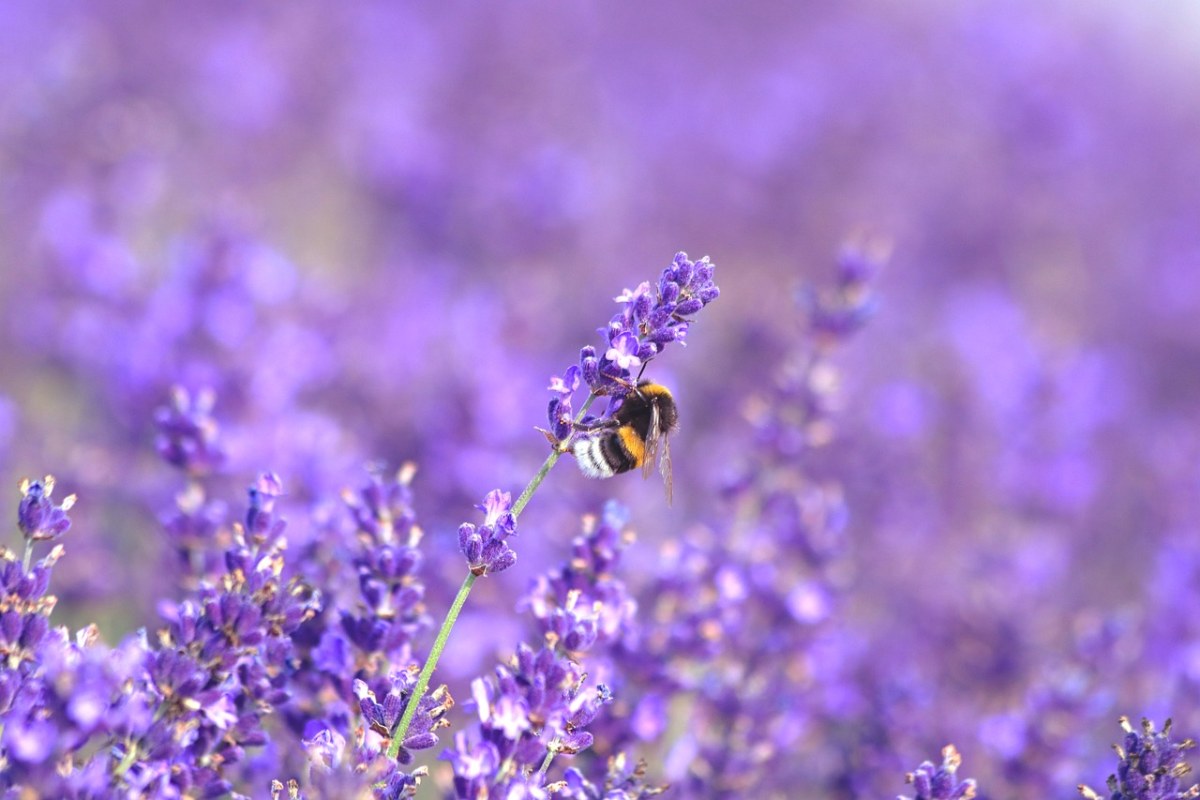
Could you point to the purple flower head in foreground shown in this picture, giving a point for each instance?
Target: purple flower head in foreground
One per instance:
(24, 617)
(941, 782)
(1150, 766)
(486, 546)
(382, 509)
(538, 706)
(382, 716)
(216, 667)
(582, 603)
(187, 433)
(391, 610)
(337, 768)
(38, 517)
(652, 316)
(532, 708)
(561, 413)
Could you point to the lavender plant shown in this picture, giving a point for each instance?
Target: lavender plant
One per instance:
(651, 318)
(367, 233)
(941, 782)
(180, 713)
(1150, 766)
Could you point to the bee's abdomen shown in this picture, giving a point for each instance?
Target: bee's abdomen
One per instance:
(609, 453)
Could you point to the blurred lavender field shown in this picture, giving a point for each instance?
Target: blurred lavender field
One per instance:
(376, 231)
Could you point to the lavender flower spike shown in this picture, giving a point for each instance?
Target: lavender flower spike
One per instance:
(941, 783)
(1150, 767)
(39, 519)
(653, 315)
(187, 433)
(486, 547)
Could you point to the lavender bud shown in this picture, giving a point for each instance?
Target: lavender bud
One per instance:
(37, 516)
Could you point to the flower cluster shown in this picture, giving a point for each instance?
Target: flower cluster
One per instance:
(188, 433)
(356, 671)
(176, 714)
(219, 666)
(850, 302)
(486, 546)
(652, 316)
(941, 782)
(382, 718)
(391, 611)
(583, 604)
(39, 519)
(196, 528)
(539, 704)
(1151, 766)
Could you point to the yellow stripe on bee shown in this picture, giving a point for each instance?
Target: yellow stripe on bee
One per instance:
(633, 444)
(652, 389)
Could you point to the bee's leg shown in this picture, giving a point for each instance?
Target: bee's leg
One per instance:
(595, 425)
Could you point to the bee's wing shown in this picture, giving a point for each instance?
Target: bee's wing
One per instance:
(658, 450)
(664, 466)
(653, 437)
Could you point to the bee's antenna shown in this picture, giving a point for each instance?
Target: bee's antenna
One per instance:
(638, 379)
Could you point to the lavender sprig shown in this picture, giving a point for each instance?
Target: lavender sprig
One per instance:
(1150, 766)
(941, 782)
(38, 518)
(733, 612)
(651, 317)
(189, 439)
(538, 705)
(187, 433)
(214, 671)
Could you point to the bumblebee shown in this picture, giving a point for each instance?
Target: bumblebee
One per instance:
(634, 436)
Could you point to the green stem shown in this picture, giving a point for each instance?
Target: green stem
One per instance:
(131, 754)
(551, 751)
(439, 644)
(28, 557)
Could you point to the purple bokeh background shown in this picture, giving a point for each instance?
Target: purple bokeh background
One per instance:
(375, 231)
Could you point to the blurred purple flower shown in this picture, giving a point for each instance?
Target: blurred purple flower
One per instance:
(187, 433)
(941, 782)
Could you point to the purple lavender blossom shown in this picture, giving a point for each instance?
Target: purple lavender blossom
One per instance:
(295, 212)
(386, 612)
(382, 717)
(216, 668)
(540, 704)
(941, 782)
(486, 546)
(24, 624)
(584, 604)
(850, 302)
(651, 317)
(1151, 766)
(188, 433)
(39, 519)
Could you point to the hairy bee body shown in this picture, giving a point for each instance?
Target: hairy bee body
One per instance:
(634, 436)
